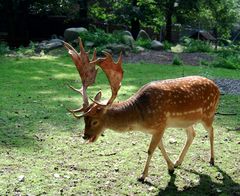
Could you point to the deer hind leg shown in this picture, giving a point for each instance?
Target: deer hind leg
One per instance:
(208, 126)
(190, 136)
(154, 143)
(164, 153)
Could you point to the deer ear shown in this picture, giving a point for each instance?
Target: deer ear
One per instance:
(98, 96)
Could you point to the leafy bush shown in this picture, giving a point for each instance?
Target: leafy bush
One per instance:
(100, 38)
(228, 57)
(167, 45)
(3, 48)
(143, 43)
(177, 60)
(197, 45)
(29, 50)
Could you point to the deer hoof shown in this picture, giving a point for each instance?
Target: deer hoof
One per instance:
(176, 164)
(141, 179)
(170, 171)
(211, 161)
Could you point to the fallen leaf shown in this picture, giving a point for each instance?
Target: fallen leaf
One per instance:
(56, 175)
(172, 141)
(21, 178)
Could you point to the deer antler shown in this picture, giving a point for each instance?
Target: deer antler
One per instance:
(87, 71)
(113, 71)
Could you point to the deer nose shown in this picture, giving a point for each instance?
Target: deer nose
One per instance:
(86, 136)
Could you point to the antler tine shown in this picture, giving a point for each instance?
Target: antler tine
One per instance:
(77, 90)
(113, 71)
(69, 47)
(87, 70)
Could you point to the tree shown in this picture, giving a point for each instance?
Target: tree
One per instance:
(173, 8)
(133, 13)
(17, 13)
(222, 14)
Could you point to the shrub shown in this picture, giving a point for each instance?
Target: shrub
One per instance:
(228, 57)
(143, 43)
(229, 63)
(3, 48)
(177, 60)
(192, 45)
(100, 38)
(167, 45)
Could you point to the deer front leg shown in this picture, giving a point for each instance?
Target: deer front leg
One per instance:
(164, 153)
(154, 143)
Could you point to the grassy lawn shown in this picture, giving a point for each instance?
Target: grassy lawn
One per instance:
(41, 152)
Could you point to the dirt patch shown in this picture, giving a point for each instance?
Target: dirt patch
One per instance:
(162, 57)
(227, 86)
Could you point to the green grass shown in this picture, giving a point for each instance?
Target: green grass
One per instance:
(40, 140)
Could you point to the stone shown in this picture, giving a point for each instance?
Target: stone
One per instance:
(46, 46)
(156, 45)
(172, 141)
(127, 33)
(89, 44)
(117, 48)
(139, 49)
(143, 35)
(21, 178)
(128, 40)
(71, 34)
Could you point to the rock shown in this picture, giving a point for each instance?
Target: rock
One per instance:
(46, 46)
(219, 176)
(128, 40)
(139, 49)
(172, 141)
(21, 178)
(143, 35)
(56, 175)
(71, 34)
(156, 45)
(89, 44)
(127, 33)
(117, 48)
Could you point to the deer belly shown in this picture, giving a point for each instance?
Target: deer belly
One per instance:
(184, 119)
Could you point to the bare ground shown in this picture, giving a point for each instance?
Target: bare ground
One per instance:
(162, 57)
(227, 86)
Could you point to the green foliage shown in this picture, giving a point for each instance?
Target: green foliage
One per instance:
(228, 57)
(3, 48)
(192, 45)
(30, 50)
(145, 43)
(167, 45)
(101, 39)
(177, 60)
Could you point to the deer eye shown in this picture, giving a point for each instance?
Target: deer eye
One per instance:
(94, 123)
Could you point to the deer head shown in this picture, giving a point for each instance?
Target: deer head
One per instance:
(94, 113)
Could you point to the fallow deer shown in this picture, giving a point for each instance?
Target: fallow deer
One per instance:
(178, 103)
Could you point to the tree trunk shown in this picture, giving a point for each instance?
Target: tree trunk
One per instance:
(17, 28)
(169, 14)
(83, 13)
(135, 23)
(135, 27)
(215, 33)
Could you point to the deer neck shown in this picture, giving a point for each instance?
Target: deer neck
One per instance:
(122, 116)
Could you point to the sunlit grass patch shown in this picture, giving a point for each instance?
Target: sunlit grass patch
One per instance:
(41, 141)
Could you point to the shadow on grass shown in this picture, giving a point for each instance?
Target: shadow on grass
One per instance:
(206, 186)
(34, 95)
